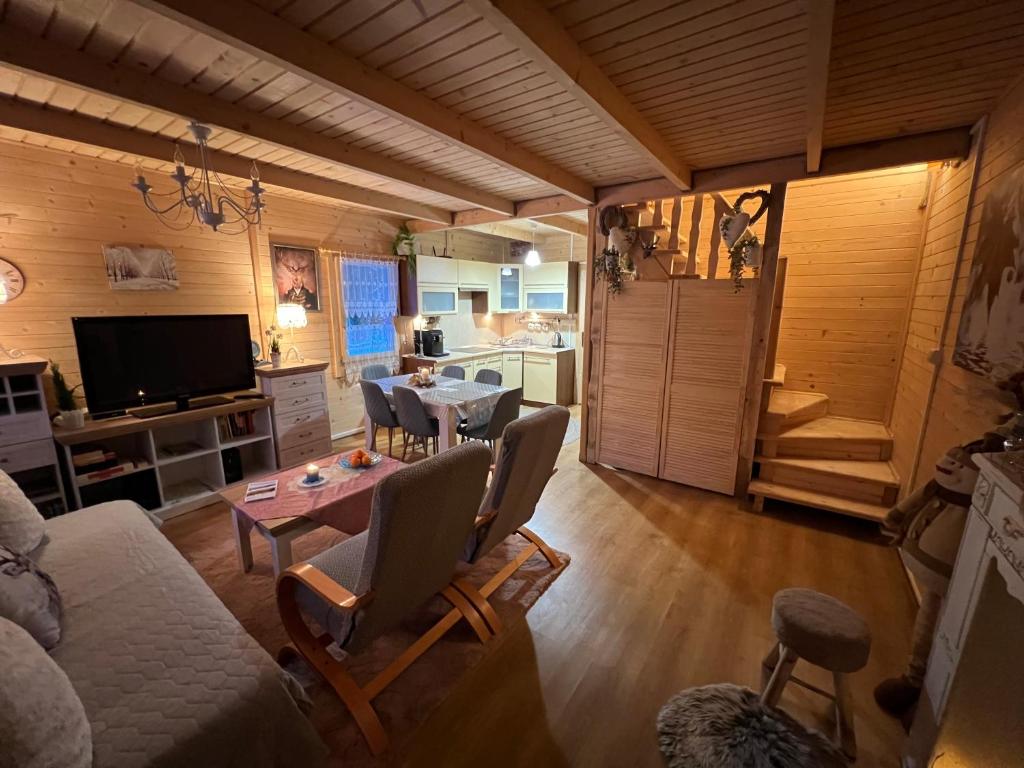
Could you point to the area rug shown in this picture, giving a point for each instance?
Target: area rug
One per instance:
(420, 689)
(726, 726)
(572, 431)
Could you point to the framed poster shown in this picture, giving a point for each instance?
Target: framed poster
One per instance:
(137, 268)
(296, 275)
(990, 339)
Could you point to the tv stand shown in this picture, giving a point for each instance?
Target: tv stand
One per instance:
(180, 405)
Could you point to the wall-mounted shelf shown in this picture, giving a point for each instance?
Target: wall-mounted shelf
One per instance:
(181, 459)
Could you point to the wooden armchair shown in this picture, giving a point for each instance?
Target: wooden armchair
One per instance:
(364, 586)
(529, 450)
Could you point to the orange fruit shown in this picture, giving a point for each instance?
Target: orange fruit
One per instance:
(367, 461)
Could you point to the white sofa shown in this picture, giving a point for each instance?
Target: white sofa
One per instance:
(167, 676)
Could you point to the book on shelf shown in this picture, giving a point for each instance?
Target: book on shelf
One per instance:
(234, 425)
(117, 469)
(91, 455)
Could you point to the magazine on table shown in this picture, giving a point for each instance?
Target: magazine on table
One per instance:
(262, 490)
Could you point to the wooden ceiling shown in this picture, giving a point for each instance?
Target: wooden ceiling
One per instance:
(428, 107)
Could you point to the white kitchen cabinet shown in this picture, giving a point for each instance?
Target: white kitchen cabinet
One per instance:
(438, 299)
(510, 288)
(540, 377)
(475, 275)
(551, 287)
(512, 369)
(437, 270)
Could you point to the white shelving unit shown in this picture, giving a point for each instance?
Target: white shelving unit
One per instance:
(182, 459)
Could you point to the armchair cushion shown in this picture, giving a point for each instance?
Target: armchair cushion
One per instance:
(29, 598)
(21, 525)
(342, 563)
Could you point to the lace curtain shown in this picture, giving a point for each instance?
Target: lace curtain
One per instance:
(369, 303)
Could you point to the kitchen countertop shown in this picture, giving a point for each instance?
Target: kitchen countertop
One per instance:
(454, 356)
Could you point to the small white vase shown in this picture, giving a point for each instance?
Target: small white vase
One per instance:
(275, 359)
(71, 419)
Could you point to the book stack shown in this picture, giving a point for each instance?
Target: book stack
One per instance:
(93, 463)
(235, 425)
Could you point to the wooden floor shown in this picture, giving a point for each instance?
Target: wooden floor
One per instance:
(668, 587)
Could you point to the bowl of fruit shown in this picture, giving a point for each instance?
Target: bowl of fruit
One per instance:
(360, 459)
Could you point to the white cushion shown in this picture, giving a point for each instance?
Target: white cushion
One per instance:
(29, 598)
(21, 525)
(42, 720)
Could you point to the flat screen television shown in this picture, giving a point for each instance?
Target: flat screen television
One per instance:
(127, 362)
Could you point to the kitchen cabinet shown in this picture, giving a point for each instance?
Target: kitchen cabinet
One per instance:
(512, 369)
(510, 288)
(438, 299)
(437, 270)
(551, 287)
(547, 377)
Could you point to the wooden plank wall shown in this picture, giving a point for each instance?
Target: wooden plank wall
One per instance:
(964, 405)
(65, 207)
(852, 243)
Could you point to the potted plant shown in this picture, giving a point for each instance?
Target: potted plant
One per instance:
(404, 244)
(274, 337)
(69, 415)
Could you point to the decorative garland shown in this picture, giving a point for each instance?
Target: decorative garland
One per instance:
(610, 266)
(739, 257)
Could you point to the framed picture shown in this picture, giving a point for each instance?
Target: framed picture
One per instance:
(296, 275)
(137, 268)
(990, 339)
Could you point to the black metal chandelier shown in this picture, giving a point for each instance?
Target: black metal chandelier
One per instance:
(202, 195)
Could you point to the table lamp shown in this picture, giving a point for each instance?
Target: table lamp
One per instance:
(292, 316)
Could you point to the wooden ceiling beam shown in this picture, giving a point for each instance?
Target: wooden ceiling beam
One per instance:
(567, 224)
(947, 144)
(246, 26)
(55, 62)
(819, 49)
(86, 130)
(537, 32)
(546, 206)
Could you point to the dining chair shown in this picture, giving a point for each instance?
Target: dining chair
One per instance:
(505, 411)
(526, 461)
(379, 410)
(416, 423)
(488, 376)
(374, 372)
(365, 586)
(454, 372)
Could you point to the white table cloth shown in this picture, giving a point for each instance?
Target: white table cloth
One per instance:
(449, 401)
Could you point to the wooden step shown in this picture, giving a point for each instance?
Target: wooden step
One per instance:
(831, 437)
(761, 490)
(778, 377)
(870, 481)
(787, 408)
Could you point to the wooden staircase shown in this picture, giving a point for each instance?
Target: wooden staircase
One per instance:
(809, 458)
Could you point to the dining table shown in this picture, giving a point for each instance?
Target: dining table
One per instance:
(449, 400)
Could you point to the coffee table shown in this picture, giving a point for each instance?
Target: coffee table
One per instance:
(342, 503)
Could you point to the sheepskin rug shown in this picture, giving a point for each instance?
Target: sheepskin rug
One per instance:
(726, 726)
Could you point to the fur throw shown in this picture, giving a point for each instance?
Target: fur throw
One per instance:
(726, 726)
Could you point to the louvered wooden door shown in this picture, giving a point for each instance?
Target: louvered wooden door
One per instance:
(706, 373)
(633, 376)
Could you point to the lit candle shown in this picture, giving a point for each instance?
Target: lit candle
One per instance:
(312, 473)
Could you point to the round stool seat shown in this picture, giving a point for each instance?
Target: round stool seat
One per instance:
(821, 629)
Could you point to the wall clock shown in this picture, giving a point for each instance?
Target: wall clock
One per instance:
(12, 281)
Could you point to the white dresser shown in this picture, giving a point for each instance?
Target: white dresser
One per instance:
(27, 452)
(302, 424)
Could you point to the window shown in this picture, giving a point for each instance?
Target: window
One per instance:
(370, 295)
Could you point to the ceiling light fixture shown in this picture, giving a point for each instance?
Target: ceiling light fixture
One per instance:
(532, 257)
(201, 194)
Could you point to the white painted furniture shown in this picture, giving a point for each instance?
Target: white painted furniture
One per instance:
(179, 457)
(512, 369)
(437, 285)
(27, 453)
(548, 378)
(301, 418)
(480, 277)
(974, 671)
(551, 287)
(510, 288)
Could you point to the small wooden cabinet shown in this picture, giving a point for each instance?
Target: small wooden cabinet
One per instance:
(301, 419)
(27, 453)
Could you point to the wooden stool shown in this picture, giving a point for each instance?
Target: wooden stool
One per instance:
(826, 633)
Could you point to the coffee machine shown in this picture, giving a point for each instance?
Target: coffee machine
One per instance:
(432, 343)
